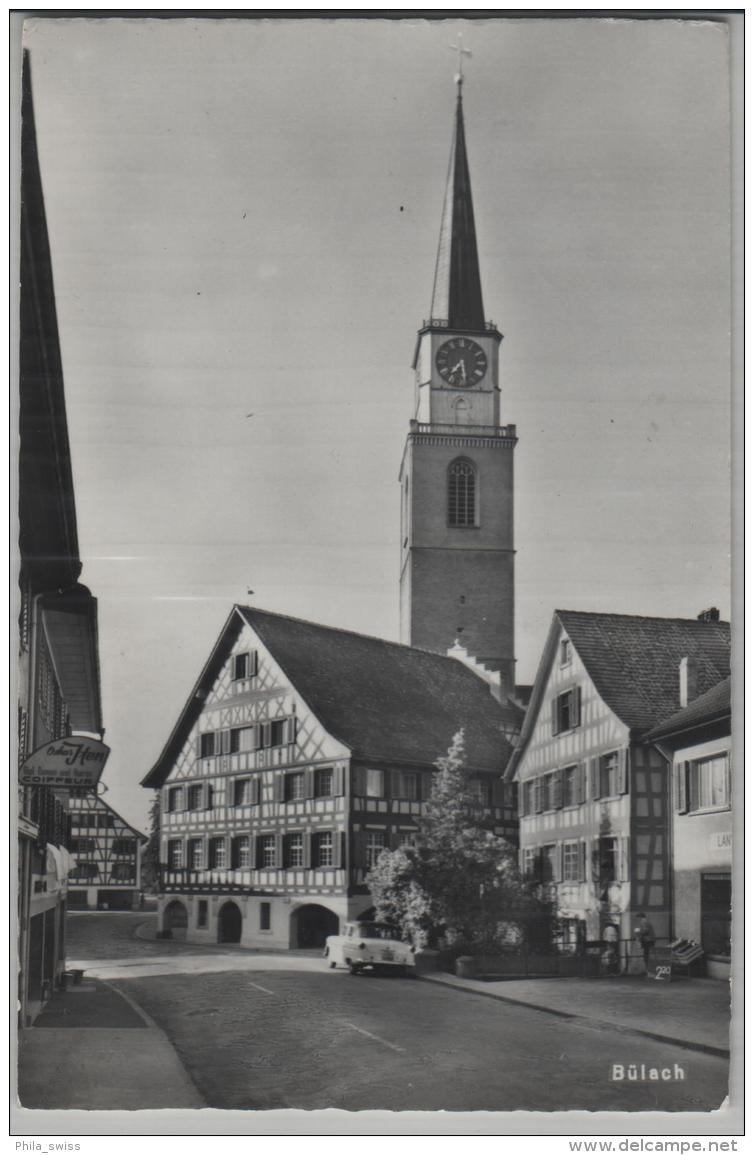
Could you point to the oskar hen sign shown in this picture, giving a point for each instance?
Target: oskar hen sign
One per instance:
(74, 761)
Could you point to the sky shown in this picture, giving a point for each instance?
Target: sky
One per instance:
(243, 219)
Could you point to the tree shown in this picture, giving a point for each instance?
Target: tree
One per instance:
(460, 881)
(150, 861)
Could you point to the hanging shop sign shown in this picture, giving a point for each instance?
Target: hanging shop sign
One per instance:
(66, 762)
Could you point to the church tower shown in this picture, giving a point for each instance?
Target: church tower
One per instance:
(457, 472)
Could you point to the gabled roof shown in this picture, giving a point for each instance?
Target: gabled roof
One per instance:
(97, 802)
(633, 662)
(713, 706)
(457, 289)
(386, 702)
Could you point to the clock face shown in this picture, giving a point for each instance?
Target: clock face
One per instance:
(461, 362)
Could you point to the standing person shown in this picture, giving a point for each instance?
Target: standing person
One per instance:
(645, 936)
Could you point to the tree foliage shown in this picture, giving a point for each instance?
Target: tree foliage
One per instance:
(460, 883)
(150, 862)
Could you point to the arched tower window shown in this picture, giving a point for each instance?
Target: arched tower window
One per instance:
(462, 493)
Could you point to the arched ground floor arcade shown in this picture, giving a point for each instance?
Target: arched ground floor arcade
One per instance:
(280, 922)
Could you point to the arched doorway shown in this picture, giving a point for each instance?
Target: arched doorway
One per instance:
(310, 926)
(229, 923)
(175, 919)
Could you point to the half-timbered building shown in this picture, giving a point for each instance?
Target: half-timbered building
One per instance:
(594, 796)
(301, 753)
(107, 854)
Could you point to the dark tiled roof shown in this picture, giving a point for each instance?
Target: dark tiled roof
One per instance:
(708, 707)
(384, 700)
(634, 661)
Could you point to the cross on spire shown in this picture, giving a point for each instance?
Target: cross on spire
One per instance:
(459, 48)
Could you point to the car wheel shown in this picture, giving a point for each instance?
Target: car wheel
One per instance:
(354, 968)
(333, 966)
(326, 952)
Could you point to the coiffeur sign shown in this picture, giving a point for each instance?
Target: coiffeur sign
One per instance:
(67, 762)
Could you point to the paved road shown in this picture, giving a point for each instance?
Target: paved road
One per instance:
(272, 1032)
(110, 934)
(308, 1040)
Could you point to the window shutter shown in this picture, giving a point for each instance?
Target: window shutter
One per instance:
(360, 850)
(575, 706)
(557, 870)
(258, 737)
(198, 746)
(554, 715)
(681, 787)
(307, 850)
(337, 781)
(266, 729)
(582, 862)
(234, 853)
(624, 863)
(338, 847)
(209, 797)
(308, 783)
(278, 851)
(623, 771)
(255, 791)
(539, 795)
(254, 851)
(582, 783)
(594, 772)
(290, 731)
(594, 859)
(225, 741)
(557, 791)
(278, 791)
(253, 663)
(523, 795)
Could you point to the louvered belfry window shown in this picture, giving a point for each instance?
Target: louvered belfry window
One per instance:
(462, 494)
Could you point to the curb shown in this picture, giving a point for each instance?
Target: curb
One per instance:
(605, 1024)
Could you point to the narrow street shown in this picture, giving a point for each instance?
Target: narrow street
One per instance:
(285, 1031)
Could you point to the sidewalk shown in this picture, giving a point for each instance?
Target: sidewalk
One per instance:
(93, 1049)
(691, 1013)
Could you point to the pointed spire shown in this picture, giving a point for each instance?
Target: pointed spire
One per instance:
(457, 290)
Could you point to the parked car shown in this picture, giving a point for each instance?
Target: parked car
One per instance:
(369, 944)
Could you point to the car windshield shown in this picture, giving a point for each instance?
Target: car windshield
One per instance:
(377, 930)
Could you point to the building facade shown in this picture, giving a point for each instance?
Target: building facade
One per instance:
(456, 477)
(301, 754)
(594, 801)
(697, 744)
(106, 851)
(58, 668)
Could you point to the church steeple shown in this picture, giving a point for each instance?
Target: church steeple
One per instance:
(457, 289)
(457, 554)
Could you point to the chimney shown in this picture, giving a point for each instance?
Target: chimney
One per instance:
(710, 615)
(688, 678)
